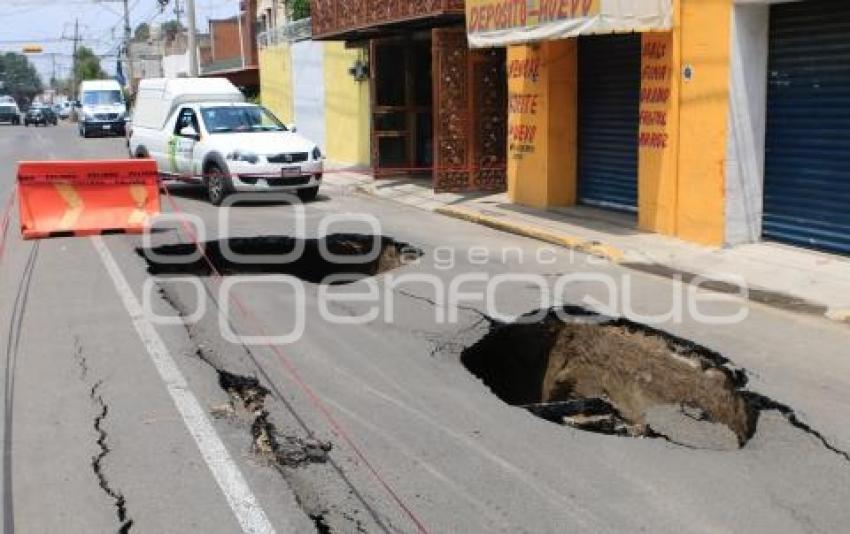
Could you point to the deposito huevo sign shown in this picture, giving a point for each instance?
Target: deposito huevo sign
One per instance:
(506, 22)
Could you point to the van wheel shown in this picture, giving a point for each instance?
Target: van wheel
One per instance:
(309, 193)
(218, 185)
(141, 153)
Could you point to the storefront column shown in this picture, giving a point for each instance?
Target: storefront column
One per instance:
(658, 137)
(542, 119)
(683, 124)
(703, 28)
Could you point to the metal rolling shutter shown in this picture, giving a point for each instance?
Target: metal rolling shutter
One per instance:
(609, 102)
(807, 165)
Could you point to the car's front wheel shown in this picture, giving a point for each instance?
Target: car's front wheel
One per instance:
(308, 193)
(218, 185)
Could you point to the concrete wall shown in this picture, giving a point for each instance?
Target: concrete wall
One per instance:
(347, 107)
(309, 89)
(224, 39)
(175, 66)
(747, 117)
(308, 83)
(276, 87)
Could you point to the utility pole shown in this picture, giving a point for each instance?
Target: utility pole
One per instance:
(193, 45)
(74, 60)
(241, 37)
(178, 11)
(128, 36)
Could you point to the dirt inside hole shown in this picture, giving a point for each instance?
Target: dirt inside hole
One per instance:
(337, 254)
(616, 377)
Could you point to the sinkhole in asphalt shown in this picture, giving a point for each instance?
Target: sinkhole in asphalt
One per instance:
(336, 254)
(614, 376)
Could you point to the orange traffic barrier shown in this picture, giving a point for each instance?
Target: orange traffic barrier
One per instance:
(78, 198)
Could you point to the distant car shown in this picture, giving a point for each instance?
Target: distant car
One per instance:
(64, 110)
(101, 108)
(40, 115)
(10, 113)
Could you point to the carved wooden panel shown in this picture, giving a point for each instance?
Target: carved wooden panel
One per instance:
(451, 109)
(489, 109)
(470, 115)
(335, 17)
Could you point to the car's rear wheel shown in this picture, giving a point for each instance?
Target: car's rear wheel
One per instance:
(218, 184)
(308, 193)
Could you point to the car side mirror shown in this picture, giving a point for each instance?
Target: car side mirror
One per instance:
(76, 104)
(292, 128)
(188, 131)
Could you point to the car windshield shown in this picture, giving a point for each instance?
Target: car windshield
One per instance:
(101, 98)
(228, 119)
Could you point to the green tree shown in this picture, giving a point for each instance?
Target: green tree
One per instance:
(171, 29)
(88, 65)
(142, 32)
(20, 78)
(300, 9)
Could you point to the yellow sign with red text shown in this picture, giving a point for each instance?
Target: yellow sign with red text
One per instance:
(506, 22)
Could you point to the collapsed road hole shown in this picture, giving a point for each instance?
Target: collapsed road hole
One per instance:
(336, 254)
(285, 450)
(616, 377)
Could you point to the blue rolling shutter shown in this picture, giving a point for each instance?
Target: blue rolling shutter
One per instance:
(807, 165)
(609, 105)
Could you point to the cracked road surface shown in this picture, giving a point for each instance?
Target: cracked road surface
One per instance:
(116, 423)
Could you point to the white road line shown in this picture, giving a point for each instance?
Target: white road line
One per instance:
(242, 501)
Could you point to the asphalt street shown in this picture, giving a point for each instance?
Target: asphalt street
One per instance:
(131, 407)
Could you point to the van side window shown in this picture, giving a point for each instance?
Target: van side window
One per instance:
(186, 117)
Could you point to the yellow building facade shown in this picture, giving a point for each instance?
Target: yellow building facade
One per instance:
(681, 123)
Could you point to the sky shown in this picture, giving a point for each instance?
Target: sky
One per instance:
(50, 23)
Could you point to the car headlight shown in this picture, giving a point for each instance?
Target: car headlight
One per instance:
(248, 157)
(317, 154)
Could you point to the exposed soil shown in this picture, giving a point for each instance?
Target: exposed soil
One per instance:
(357, 251)
(616, 377)
(247, 395)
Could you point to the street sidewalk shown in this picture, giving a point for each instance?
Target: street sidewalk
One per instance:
(778, 275)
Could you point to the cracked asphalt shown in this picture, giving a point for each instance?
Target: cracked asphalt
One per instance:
(94, 440)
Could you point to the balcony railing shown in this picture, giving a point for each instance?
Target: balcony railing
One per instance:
(344, 18)
(299, 30)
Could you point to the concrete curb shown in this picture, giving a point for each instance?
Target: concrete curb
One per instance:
(594, 248)
(841, 315)
(773, 299)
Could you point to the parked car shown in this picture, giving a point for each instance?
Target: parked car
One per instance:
(101, 108)
(39, 114)
(202, 131)
(10, 113)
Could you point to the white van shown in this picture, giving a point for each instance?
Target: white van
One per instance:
(101, 108)
(201, 130)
